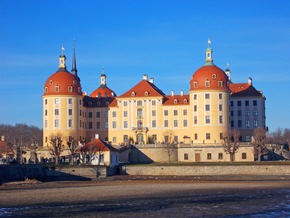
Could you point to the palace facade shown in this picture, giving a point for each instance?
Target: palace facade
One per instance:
(197, 120)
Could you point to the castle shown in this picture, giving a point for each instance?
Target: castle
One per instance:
(197, 120)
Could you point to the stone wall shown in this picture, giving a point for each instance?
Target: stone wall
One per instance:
(211, 170)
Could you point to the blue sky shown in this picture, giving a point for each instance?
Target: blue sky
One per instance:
(164, 39)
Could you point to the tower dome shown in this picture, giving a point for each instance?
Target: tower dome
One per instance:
(62, 82)
(103, 91)
(209, 76)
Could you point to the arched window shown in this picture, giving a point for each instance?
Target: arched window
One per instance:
(133, 94)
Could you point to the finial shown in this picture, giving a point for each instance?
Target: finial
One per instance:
(208, 42)
(228, 65)
(62, 50)
(103, 70)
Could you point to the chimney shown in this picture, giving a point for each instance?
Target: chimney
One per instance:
(112, 93)
(145, 77)
(151, 80)
(181, 92)
(250, 81)
(96, 136)
(172, 93)
(3, 138)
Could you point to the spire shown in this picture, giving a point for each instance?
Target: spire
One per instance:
(228, 71)
(62, 59)
(74, 62)
(103, 78)
(208, 53)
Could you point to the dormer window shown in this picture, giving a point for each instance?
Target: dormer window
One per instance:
(50, 82)
(195, 84)
(98, 104)
(146, 93)
(207, 83)
(107, 103)
(70, 89)
(175, 101)
(133, 94)
(56, 88)
(220, 83)
(213, 76)
(185, 101)
(46, 89)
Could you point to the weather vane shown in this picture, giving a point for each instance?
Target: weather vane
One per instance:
(208, 42)
(62, 48)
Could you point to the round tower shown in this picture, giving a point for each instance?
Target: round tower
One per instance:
(63, 112)
(209, 99)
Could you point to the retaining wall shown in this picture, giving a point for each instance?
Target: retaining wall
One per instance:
(206, 170)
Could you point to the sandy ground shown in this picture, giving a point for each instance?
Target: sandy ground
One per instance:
(127, 196)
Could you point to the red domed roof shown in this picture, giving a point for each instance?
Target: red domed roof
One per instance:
(209, 77)
(103, 91)
(62, 83)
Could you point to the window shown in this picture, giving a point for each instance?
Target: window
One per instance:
(195, 119)
(248, 138)
(154, 138)
(207, 107)
(69, 101)
(139, 124)
(46, 90)
(125, 124)
(56, 112)
(220, 96)
(56, 101)
(254, 102)
(195, 96)
(195, 108)
(45, 112)
(220, 107)
(207, 119)
(106, 125)
(125, 103)
(153, 113)
(125, 113)
(98, 114)
(90, 114)
(175, 123)
(125, 138)
(255, 123)
(56, 123)
(247, 113)
(207, 84)
(232, 113)
(139, 103)
(247, 123)
(90, 125)
(70, 89)
(153, 103)
(239, 123)
(185, 157)
(165, 123)
(184, 112)
(175, 112)
(244, 156)
(165, 112)
(139, 112)
(106, 114)
(220, 83)
(239, 113)
(45, 101)
(221, 119)
(114, 114)
(184, 123)
(56, 88)
(220, 156)
(195, 84)
(133, 94)
(207, 135)
(208, 156)
(98, 125)
(153, 123)
(221, 136)
(255, 113)
(175, 138)
(206, 96)
(114, 139)
(195, 136)
(69, 112)
(232, 124)
(247, 103)
(239, 103)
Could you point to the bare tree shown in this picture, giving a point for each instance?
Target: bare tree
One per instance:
(56, 147)
(258, 141)
(92, 149)
(231, 143)
(169, 144)
(72, 146)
